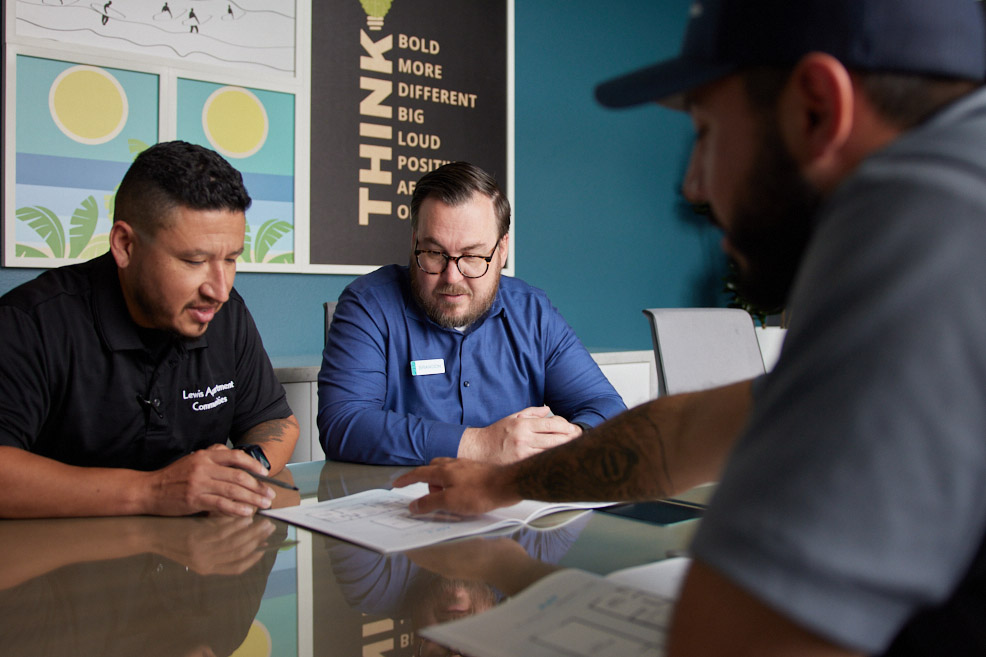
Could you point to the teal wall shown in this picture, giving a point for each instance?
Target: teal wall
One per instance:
(600, 224)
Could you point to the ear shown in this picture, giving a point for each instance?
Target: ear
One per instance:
(817, 111)
(504, 249)
(122, 238)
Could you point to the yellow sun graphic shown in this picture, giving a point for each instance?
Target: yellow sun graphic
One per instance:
(235, 122)
(257, 642)
(88, 104)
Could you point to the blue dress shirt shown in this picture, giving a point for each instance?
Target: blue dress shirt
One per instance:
(373, 409)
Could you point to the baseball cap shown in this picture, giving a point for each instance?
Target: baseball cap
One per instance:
(931, 37)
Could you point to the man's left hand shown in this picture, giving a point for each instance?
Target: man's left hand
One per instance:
(517, 436)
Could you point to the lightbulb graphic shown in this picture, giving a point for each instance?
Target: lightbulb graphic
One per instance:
(375, 11)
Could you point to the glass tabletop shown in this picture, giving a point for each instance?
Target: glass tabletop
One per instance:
(257, 586)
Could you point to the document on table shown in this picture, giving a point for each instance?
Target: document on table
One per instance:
(572, 613)
(379, 519)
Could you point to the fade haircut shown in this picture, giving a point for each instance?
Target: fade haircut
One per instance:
(902, 99)
(176, 174)
(454, 184)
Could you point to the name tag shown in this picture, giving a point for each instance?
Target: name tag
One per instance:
(423, 367)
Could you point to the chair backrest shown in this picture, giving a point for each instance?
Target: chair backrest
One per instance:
(330, 309)
(699, 348)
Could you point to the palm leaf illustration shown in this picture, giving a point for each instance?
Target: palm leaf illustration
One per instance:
(136, 146)
(25, 251)
(109, 201)
(283, 258)
(98, 245)
(269, 232)
(246, 255)
(47, 225)
(83, 226)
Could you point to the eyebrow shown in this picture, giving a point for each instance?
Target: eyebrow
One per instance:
(428, 241)
(197, 253)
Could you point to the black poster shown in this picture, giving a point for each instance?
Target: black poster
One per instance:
(399, 87)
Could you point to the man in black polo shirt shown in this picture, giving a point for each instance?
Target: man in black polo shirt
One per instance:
(114, 398)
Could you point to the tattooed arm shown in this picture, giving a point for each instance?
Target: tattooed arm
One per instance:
(276, 437)
(657, 449)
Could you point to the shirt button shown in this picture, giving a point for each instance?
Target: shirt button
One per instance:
(156, 402)
(465, 383)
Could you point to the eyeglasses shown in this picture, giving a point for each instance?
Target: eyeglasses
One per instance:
(435, 262)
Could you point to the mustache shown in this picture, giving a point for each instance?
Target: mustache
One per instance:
(452, 289)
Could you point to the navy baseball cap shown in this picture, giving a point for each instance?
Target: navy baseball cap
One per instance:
(931, 37)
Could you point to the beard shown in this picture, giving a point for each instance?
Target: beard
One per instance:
(772, 223)
(146, 297)
(444, 314)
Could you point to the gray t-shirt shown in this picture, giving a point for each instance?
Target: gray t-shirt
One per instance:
(856, 497)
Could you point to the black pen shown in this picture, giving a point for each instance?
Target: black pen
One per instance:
(270, 480)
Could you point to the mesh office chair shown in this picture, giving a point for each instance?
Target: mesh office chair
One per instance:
(330, 310)
(699, 348)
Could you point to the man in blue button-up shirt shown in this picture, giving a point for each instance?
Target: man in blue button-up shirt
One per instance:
(446, 358)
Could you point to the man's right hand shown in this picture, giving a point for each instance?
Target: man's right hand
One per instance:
(517, 436)
(461, 486)
(211, 480)
(211, 546)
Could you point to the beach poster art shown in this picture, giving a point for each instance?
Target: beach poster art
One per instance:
(254, 130)
(78, 129)
(255, 35)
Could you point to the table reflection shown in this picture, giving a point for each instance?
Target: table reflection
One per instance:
(135, 585)
(215, 586)
(468, 577)
(450, 580)
(368, 603)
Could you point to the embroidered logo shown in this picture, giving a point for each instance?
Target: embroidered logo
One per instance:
(209, 393)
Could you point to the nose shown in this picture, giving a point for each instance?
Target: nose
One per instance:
(219, 282)
(693, 186)
(452, 273)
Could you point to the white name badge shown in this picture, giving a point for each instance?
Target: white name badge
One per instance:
(423, 367)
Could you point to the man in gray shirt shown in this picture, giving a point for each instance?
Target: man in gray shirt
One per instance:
(840, 148)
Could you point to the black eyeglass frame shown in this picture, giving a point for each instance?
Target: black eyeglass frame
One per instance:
(455, 259)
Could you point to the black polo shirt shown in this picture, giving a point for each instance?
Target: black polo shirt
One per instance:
(81, 383)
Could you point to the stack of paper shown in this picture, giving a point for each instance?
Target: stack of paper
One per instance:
(379, 519)
(572, 613)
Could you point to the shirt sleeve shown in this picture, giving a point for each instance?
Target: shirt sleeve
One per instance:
(24, 394)
(352, 391)
(574, 386)
(857, 495)
(260, 396)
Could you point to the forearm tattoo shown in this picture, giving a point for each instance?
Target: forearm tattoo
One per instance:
(623, 459)
(271, 431)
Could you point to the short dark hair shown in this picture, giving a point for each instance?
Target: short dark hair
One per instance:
(173, 174)
(906, 100)
(454, 184)
(903, 99)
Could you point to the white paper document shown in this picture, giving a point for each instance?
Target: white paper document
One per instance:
(379, 519)
(572, 613)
